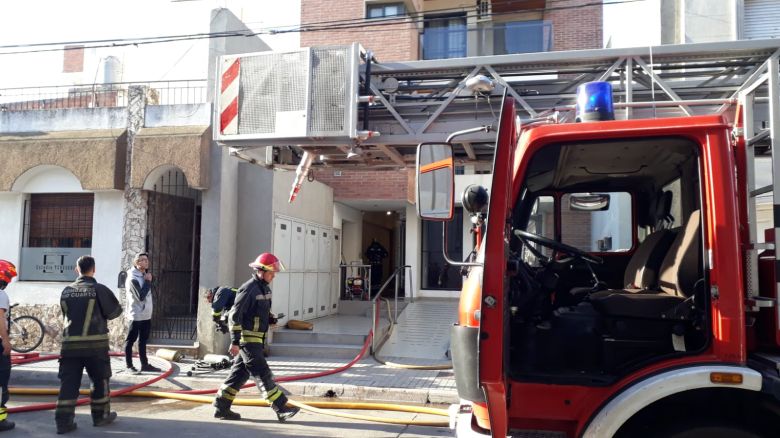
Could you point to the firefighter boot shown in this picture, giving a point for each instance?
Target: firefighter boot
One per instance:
(104, 421)
(284, 413)
(65, 428)
(223, 410)
(6, 425)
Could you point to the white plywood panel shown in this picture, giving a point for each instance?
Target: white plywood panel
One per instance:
(282, 236)
(296, 296)
(323, 294)
(335, 293)
(298, 246)
(281, 296)
(309, 295)
(335, 259)
(325, 235)
(311, 256)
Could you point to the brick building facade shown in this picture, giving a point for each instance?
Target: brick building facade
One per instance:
(574, 24)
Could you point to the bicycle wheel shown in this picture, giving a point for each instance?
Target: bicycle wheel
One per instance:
(25, 333)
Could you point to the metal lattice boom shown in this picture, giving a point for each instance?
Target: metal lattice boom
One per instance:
(420, 101)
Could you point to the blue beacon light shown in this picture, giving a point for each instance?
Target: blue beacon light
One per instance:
(594, 102)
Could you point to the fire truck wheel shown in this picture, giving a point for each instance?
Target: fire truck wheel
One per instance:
(703, 429)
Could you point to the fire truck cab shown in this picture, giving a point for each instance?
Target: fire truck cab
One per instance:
(608, 295)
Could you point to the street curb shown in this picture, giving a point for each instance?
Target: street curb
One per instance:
(179, 380)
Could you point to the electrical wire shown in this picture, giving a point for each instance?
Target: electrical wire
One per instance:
(360, 24)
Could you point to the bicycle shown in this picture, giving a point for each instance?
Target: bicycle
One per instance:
(25, 332)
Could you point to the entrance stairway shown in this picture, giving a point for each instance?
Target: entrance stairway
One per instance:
(333, 337)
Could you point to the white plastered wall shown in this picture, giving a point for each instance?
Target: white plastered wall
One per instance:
(350, 222)
(106, 231)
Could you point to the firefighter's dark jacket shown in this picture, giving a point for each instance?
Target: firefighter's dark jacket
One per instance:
(251, 312)
(87, 306)
(224, 298)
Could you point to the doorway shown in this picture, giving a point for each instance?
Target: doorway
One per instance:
(173, 244)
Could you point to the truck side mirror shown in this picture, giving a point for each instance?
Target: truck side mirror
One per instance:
(589, 201)
(435, 181)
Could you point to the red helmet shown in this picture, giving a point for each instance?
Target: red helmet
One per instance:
(267, 262)
(7, 271)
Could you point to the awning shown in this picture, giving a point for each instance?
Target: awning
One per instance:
(184, 147)
(95, 157)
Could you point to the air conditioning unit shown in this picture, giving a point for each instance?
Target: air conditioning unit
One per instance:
(271, 98)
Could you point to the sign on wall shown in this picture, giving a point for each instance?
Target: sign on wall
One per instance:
(50, 264)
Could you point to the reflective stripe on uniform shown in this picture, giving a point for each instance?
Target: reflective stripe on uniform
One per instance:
(255, 334)
(65, 403)
(256, 326)
(273, 394)
(217, 313)
(3, 414)
(227, 392)
(86, 338)
(88, 318)
(236, 328)
(252, 337)
(70, 345)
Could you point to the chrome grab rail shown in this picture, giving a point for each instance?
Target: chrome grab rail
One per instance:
(375, 301)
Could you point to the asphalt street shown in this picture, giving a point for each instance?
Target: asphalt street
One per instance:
(176, 419)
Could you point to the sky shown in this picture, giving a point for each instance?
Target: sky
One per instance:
(632, 24)
(21, 22)
(626, 24)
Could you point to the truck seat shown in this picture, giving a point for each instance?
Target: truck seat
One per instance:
(677, 276)
(642, 269)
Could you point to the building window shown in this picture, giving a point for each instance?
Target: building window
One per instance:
(608, 230)
(444, 37)
(385, 10)
(436, 273)
(522, 37)
(59, 220)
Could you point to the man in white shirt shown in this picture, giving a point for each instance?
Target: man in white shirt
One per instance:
(138, 289)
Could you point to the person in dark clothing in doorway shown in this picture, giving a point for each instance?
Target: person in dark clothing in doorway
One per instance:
(250, 319)
(375, 253)
(138, 289)
(86, 306)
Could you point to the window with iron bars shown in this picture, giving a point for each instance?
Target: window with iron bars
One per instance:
(58, 220)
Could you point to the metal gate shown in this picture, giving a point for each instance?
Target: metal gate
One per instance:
(173, 243)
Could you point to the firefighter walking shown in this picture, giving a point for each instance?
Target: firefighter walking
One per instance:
(250, 319)
(86, 306)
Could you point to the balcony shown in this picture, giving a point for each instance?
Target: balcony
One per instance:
(113, 95)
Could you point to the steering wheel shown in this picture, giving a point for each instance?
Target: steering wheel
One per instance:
(554, 245)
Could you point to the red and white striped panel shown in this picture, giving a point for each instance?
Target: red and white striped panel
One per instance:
(228, 98)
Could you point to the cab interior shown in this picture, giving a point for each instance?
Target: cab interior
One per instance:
(597, 290)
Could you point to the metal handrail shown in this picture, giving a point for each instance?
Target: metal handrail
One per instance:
(375, 301)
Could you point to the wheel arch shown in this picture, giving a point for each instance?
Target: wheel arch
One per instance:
(634, 399)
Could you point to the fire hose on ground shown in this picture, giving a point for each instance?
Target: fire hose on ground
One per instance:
(319, 407)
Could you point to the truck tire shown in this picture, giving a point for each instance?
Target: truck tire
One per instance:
(706, 429)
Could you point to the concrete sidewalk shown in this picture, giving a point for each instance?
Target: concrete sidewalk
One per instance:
(366, 380)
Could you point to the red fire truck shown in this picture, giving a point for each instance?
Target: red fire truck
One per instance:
(670, 329)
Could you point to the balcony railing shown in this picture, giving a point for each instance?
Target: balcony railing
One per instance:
(112, 95)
